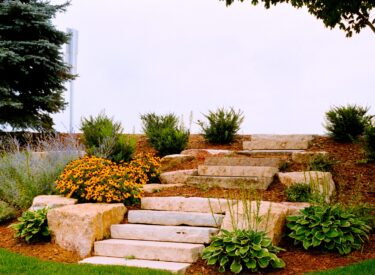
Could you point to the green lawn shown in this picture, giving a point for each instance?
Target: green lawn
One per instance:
(11, 263)
(362, 268)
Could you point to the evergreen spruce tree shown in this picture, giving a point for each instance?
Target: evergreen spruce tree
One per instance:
(32, 69)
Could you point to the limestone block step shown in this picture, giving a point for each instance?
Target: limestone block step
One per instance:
(149, 250)
(242, 161)
(174, 218)
(230, 182)
(193, 204)
(177, 177)
(277, 142)
(237, 171)
(178, 268)
(281, 154)
(182, 234)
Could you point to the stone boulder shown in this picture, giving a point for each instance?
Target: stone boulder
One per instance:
(304, 157)
(77, 227)
(177, 177)
(170, 161)
(51, 201)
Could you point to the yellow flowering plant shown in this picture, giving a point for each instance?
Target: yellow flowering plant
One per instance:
(94, 179)
(149, 164)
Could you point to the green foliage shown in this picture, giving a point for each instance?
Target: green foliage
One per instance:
(242, 249)
(346, 123)
(299, 192)
(328, 227)
(7, 212)
(103, 137)
(222, 125)
(165, 133)
(369, 143)
(32, 67)
(32, 226)
(366, 267)
(350, 16)
(320, 162)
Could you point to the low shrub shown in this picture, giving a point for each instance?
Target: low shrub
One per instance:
(369, 143)
(93, 179)
(7, 212)
(333, 228)
(347, 123)
(299, 192)
(165, 133)
(149, 164)
(222, 125)
(320, 162)
(242, 249)
(103, 137)
(32, 226)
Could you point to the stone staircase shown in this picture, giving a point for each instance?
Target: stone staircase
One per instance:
(164, 235)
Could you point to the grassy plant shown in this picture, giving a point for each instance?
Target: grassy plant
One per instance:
(369, 143)
(299, 192)
(346, 123)
(222, 125)
(7, 212)
(165, 133)
(320, 162)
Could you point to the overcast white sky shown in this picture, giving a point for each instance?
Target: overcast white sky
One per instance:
(281, 66)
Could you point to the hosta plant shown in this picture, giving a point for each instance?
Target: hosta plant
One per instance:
(333, 228)
(32, 226)
(242, 249)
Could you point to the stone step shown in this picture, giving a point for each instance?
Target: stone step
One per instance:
(178, 268)
(242, 161)
(281, 154)
(230, 182)
(278, 142)
(182, 234)
(237, 171)
(174, 218)
(156, 187)
(193, 204)
(149, 250)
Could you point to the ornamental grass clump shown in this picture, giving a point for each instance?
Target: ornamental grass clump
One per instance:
(93, 179)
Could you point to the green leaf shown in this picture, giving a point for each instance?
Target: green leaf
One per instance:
(306, 244)
(251, 264)
(224, 261)
(263, 262)
(278, 263)
(236, 266)
(332, 233)
(212, 260)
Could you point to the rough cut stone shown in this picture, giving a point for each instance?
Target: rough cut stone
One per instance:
(156, 187)
(174, 218)
(213, 152)
(242, 161)
(177, 177)
(319, 181)
(182, 234)
(259, 183)
(77, 227)
(171, 161)
(237, 171)
(294, 208)
(51, 201)
(278, 142)
(179, 268)
(193, 204)
(149, 250)
(304, 157)
(283, 155)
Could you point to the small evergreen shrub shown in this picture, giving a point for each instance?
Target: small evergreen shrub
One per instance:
(7, 212)
(93, 179)
(332, 228)
(299, 192)
(369, 143)
(103, 137)
(165, 133)
(149, 164)
(242, 249)
(346, 123)
(321, 163)
(222, 125)
(32, 226)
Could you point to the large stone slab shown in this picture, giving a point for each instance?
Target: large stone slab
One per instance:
(212, 152)
(259, 183)
(51, 201)
(242, 161)
(278, 142)
(193, 204)
(177, 177)
(174, 218)
(319, 181)
(178, 268)
(170, 161)
(181, 234)
(283, 155)
(77, 227)
(237, 171)
(305, 157)
(149, 250)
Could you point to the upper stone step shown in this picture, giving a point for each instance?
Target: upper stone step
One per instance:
(237, 171)
(149, 250)
(179, 268)
(242, 161)
(182, 234)
(278, 142)
(174, 218)
(281, 154)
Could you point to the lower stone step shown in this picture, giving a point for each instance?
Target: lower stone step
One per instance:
(237, 171)
(174, 218)
(182, 234)
(178, 268)
(149, 250)
(242, 161)
(230, 182)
